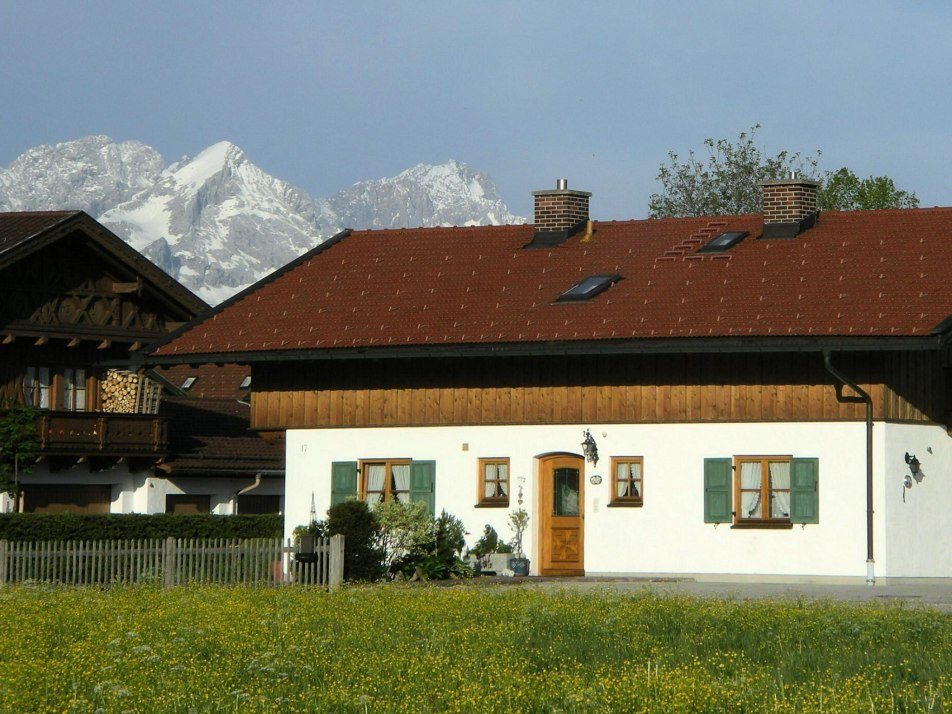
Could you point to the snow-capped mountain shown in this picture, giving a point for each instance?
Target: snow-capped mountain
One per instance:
(448, 194)
(216, 221)
(92, 174)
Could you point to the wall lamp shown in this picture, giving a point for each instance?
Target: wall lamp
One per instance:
(590, 448)
(913, 463)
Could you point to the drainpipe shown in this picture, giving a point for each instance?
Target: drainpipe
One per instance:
(250, 487)
(870, 574)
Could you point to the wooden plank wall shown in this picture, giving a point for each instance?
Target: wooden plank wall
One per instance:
(599, 389)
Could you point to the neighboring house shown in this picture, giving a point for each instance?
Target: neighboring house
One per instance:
(751, 392)
(77, 305)
(215, 463)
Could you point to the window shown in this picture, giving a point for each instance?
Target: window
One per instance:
(36, 387)
(188, 504)
(723, 242)
(376, 480)
(494, 482)
(385, 481)
(188, 383)
(588, 288)
(761, 490)
(253, 503)
(627, 484)
(73, 396)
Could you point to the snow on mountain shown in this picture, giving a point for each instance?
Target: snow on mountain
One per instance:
(91, 174)
(450, 194)
(217, 222)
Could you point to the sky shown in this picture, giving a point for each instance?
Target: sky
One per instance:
(323, 94)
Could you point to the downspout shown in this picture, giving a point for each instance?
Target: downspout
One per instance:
(250, 487)
(870, 570)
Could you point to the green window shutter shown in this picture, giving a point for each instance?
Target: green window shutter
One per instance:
(343, 481)
(804, 491)
(718, 491)
(422, 483)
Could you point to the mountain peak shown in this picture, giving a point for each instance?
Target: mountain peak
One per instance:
(215, 221)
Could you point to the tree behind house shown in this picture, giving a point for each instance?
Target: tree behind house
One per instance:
(18, 443)
(728, 182)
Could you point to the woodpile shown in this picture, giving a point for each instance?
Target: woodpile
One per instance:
(124, 392)
(118, 391)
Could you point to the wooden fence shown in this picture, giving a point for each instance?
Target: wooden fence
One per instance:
(174, 561)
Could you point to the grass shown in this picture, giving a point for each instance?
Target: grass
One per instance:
(462, 649)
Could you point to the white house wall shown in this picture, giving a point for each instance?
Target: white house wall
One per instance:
(916, 541)
(141, 492)
(667, 535)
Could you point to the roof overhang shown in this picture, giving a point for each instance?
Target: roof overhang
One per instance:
(684, 345)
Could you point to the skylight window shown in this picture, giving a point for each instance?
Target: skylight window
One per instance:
(245, 383)
(189, 381)
(725, 241)
(588, 288)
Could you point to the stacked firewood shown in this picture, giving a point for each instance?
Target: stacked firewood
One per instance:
(118, 391)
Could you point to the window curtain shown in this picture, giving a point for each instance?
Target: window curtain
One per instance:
(376, 480)
(566, 492)
(74, 388)
(750, 490)
(495, 480)
(400, 485)
(779, 473)
(36, 387)
(627, 477)
(502, 475)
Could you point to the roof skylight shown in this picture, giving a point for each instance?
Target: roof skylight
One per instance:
(245, 383)
(588, 288)
(725, 241)
(189, 381)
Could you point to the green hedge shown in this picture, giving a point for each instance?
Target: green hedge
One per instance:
(128, 526)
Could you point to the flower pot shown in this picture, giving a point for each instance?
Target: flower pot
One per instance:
(519, 566)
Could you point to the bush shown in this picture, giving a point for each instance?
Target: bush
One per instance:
(131, 526)
(363, 556)
(417, 545)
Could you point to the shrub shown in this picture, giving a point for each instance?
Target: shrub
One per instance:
(131, 526)
(405, 528)
(418, 545)
(363, 557)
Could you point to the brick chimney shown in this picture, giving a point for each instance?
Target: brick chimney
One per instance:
(558, 214)
(789, 206)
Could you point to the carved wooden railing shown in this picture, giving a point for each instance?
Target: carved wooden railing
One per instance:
(101, 433)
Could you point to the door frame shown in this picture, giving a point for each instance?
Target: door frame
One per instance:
(544, 531)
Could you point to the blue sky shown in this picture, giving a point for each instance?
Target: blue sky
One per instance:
(323, 94)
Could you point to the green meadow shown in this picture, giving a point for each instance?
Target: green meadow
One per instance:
(397, 648)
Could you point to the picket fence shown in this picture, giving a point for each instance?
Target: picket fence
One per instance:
(174, 561)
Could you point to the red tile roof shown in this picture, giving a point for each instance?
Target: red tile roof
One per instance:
(212, 437)
(872, 273)
(212, 381)
(15, 228)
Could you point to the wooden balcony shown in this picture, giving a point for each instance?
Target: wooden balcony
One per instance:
(102, 434)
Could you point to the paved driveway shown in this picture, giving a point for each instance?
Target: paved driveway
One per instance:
(936, 593)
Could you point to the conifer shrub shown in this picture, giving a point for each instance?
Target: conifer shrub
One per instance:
(363, 556)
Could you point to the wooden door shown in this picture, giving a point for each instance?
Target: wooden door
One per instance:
(561, 522)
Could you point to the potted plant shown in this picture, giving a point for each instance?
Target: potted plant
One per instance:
(483, 550)
(518, 521)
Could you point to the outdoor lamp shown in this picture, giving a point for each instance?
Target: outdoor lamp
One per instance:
(590, 448)
(913, 463)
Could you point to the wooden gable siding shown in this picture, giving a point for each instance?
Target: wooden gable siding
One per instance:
(598, 389)
(69, 289)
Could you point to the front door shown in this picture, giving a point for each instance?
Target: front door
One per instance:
(561, 535)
